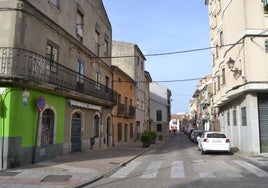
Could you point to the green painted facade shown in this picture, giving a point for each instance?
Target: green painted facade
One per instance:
(19, 122)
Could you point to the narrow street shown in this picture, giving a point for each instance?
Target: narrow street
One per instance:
(178, 163)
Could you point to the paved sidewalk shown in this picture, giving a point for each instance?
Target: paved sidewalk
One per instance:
(75, 170)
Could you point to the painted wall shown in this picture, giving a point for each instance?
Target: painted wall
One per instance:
(19, 122)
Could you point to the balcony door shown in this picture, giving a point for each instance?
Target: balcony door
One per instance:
(80, 76)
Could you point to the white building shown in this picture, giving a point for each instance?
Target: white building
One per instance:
(160, 107)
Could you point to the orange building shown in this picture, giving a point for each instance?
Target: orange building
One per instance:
(124, 110)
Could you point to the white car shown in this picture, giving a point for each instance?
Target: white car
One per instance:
(214, 142)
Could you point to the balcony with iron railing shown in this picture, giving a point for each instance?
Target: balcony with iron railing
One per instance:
(126, 111)
(27, 67)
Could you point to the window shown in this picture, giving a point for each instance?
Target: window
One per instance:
(126, 104)
(98, 77)
(52, 53)
(80, 71)
(79, 25)
(217, 51)
(234, 117)
(96, 126)
(218, 82)
(138, 60)
(159, 127)
(244, 116)
(159, 115)
(119, 98)
(97, 39)
(228, 118)
(106, 83)
(221, 39)
(223, 76)
(47, 135)
(106, 45)
(56, 3)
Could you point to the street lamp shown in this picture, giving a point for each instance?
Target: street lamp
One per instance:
(230, 64)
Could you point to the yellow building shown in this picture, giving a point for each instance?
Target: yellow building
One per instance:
(124, 110)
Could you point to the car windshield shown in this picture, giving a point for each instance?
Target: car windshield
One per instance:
(216, 135)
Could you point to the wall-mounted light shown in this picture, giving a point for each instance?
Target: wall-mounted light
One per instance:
(230, 64)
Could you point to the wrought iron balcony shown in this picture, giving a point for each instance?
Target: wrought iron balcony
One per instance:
(131, 111)
(121, 109)
(22, 65)
(124, 111)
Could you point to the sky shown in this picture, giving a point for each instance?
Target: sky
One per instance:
(166, 26)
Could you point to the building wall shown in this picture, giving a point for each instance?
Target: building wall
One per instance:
(158, 101)
(240, 27)
(126, 88)
(27, 27)
(21, 132)
(133, 65)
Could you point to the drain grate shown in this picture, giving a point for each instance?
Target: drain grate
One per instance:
(6, 173)
(56, 178)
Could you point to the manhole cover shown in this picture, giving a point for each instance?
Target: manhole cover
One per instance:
(56, 178)
(8, 173)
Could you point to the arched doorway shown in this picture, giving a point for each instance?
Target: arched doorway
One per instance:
(47, 134)
(76, 142)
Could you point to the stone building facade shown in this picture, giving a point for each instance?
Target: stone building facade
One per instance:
(56, 91)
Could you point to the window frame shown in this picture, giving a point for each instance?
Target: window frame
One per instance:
(244, 116)
(53, 64)
(234, 116)
(55, 3)
(158, 115)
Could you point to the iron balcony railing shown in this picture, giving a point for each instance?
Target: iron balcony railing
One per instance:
(20, 64)
(124, 111)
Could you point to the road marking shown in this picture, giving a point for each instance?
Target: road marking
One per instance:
(235, 175)
(177, 170)
(152, 170)
(251, 168)
(123, 172)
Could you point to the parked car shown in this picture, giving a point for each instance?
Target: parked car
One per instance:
(189, 132)
(214, 142)
(198, 134)
(193, 134)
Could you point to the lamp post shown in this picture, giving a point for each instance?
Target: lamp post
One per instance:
(230, 64)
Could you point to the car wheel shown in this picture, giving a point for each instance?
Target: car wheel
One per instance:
(202, 151)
